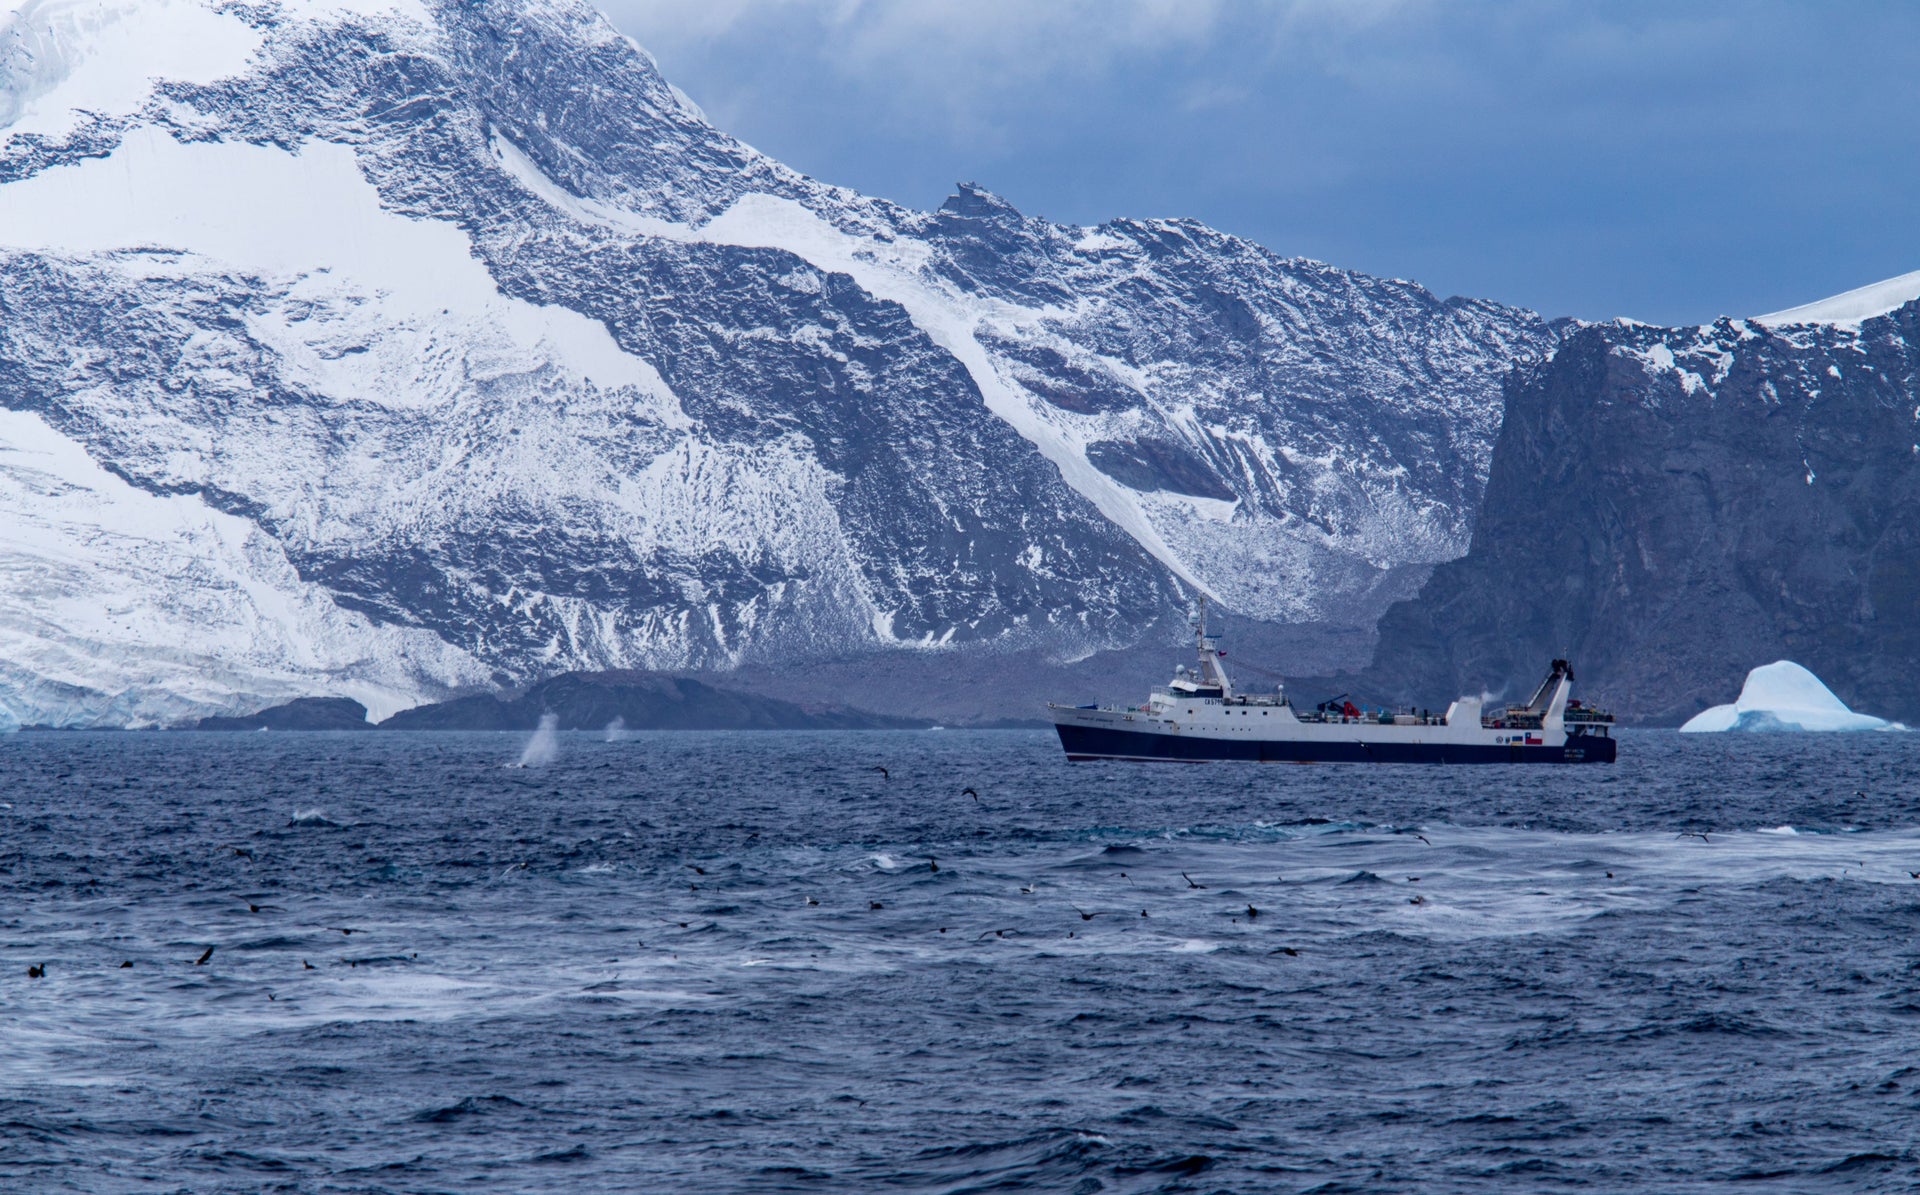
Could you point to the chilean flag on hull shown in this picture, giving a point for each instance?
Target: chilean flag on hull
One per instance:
(1534, 740)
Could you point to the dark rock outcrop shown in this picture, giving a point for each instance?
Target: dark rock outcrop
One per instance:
(1673, 507)
(304, 713)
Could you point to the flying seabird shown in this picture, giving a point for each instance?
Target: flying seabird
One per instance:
(1084, 915)
(884, 774)
(968, 792)
(1189, 880)
(202, 960)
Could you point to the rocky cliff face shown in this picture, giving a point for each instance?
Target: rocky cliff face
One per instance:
(1671, 507)
(381, 348)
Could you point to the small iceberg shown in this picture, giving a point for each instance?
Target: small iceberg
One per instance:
(1784, 696)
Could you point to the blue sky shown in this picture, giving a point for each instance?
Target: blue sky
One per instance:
(1671, 162)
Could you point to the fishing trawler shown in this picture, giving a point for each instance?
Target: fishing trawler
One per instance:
(1200, 716)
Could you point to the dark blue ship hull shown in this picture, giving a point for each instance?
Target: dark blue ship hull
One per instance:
(1090, 742)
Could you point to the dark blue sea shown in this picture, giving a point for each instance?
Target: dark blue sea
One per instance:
(727, 962)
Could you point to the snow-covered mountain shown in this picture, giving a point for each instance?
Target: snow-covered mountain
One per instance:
(389, 347)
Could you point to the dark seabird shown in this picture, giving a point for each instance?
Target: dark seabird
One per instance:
(697, 870)
(125, 965)
(933, 864)
(1084, 915)
(1289, 951)
(1413, 879)
(1252, 912)
(202, 960)
(874, 904)
(39, 972)
(1416, 900)
(252, 908)
(1700, 834)
(1189, 880)
(884, 774)
(967, 792)
(1423, 838)
(307, 966)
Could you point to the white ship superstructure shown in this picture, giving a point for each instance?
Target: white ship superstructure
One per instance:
(1199, 715)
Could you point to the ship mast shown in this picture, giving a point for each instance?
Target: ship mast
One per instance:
(1212, 671)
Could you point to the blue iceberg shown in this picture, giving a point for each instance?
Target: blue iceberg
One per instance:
(1784, 696)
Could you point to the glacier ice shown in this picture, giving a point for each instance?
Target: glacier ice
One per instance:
(1784, 696)
(119, 607)
(1853, 307)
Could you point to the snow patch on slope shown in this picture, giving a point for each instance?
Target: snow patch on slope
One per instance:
(522, 170)
(62, 59)
(1659, 358)
(1852, 307)
(123, 608)
(296, 214)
